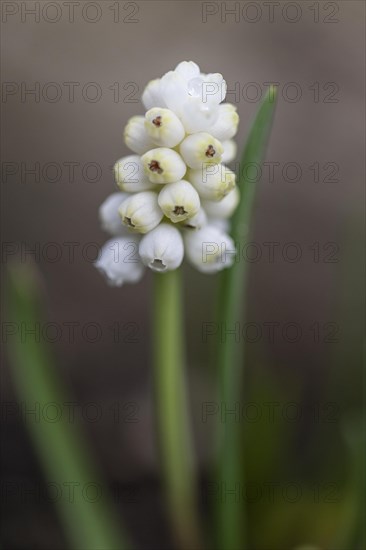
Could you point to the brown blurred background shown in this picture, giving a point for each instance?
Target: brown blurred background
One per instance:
(315, 52)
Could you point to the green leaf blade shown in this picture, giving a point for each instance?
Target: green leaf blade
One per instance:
(232, 531)
(64, 456)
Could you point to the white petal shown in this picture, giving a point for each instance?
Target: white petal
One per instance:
(136, 137)
(162, 248)
(195, 87)
(179, 201)
(209, 249)
(187, 69)
(224, 208)
(108, 214)
(140, 212)
(229, 153)
(213, 89)
(200, 148)
(164, 127)
(197, 116)
(163, 165)
(119, 261)
(227, 122)
(130, 175)
(196, 222)
(213, 182)
(151, 96)
(221, 224)
(209, 88)
(174, 91)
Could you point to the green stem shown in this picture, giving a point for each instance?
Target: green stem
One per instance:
(175, 444)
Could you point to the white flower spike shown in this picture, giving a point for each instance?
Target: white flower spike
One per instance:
(175, 184)
(162, 248)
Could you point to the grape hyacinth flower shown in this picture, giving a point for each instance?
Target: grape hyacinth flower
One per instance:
(175, 187)
(176, 200)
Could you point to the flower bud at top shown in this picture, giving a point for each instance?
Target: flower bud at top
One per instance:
(187, 70)
(213, 182)
(179, 201)
(136, 137)
(227, 122)
(196, 222)
(209, 88)
(209, 249)
(162, 248)
(108, 214)
(140, 212)
(164, 127)
(163, 165)
(130, 175)
(152, 96)
(223, 208)
(198, 149)
(119, 261)
(174, 91)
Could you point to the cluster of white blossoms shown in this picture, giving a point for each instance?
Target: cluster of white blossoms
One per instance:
(176, 193)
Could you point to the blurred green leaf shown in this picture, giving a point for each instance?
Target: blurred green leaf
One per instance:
(90, 522)
(231, 517)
